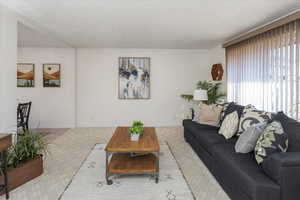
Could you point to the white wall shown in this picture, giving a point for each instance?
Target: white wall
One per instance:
(8, 57)
(51, 107)
(217, 55)
(173, 72)
(89, 93)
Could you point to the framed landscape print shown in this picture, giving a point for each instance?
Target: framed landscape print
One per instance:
(134, 78)
(51, 75)
(25, 75)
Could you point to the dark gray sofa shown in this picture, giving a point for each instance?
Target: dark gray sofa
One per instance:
(278, 178)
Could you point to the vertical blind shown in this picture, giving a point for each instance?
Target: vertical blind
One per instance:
(264, 70)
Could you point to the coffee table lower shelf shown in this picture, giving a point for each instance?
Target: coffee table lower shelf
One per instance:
(125, 164)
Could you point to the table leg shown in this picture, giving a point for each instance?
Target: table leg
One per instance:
(109, 182)
(157, 168)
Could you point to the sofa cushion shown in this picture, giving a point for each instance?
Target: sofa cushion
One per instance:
(208, 138)
(292, 128)
(242, 171)
(193, 126)
(206, 135)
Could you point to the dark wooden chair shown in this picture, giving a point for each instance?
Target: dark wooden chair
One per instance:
(23, 113)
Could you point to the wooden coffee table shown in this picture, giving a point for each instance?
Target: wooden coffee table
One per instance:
(118, 154)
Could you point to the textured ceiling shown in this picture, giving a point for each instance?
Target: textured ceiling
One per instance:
(185, 24)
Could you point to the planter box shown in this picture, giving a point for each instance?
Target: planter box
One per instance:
(23, 173)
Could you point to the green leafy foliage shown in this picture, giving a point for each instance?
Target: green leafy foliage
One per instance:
(137, 127)
(213, 92)
(205, 85)
(187, 97)
(137, 123)
(27, 147)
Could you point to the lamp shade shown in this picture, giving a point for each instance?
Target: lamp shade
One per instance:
(200, 95)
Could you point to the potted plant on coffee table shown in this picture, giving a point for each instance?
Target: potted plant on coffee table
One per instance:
(136, 130)
(25, 159)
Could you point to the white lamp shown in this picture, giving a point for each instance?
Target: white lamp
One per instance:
(200, 95)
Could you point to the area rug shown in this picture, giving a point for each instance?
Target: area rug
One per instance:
(89, 182)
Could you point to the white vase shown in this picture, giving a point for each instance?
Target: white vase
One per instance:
(135, 137)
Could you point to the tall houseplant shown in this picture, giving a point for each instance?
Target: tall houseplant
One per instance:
(213, 92)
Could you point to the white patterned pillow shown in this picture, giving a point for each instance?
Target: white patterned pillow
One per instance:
(224, 106)
(272, 140)
(229, 125)
(252, 116)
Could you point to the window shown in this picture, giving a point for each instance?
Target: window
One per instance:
(264, 70)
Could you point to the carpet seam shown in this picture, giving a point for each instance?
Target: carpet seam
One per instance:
(81, 164)
(181, 171)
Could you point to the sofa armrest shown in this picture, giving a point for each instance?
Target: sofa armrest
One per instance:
(284, 168)
(186, 121)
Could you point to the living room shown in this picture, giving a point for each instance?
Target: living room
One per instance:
(150, 99)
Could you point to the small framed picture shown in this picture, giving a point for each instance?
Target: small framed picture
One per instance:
(51, 75)
(25, 75)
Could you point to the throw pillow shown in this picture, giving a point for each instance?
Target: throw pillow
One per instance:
(230, 125)
(210, 114)
(224, 107)
(252, 116)
(234, 107)
(247, 141)
(272, 140)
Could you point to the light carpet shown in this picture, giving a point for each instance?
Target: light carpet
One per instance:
(89, 182)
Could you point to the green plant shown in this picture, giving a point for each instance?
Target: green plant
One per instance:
(205, 85)
(137, 127)
(137, 123)
(27, 147)
(213, 93)
(187, 97)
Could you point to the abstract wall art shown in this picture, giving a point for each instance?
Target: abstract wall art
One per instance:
(134, 78)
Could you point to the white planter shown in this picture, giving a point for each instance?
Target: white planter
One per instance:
(135, 137)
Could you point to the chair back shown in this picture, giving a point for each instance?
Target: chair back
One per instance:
(23, 112)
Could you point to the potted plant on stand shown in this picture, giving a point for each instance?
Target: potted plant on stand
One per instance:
(136, 130)
(213, 92)
(25, 159)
